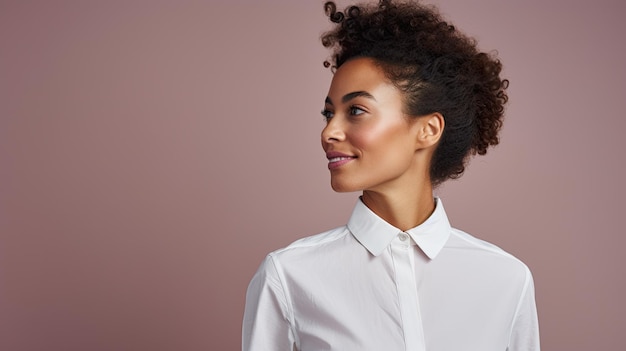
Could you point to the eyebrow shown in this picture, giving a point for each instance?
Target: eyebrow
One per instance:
(352, 95)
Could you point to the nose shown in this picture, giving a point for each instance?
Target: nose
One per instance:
(333, 131)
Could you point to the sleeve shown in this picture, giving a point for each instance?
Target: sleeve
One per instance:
(267, 316)
(525, 330)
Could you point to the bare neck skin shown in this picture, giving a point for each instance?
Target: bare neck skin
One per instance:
(405, 204)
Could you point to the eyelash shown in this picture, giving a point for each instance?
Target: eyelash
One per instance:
(328, 114)
(353, 108)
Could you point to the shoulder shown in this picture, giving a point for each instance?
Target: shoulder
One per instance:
(462, 240)
(308, 244)
(311, 254)
(313, 242)
(488, 256)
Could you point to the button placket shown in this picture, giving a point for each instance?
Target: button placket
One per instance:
(407, 294)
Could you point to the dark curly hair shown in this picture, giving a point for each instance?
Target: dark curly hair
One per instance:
(438, 68)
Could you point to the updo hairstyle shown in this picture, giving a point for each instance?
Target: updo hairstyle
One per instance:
(438, 68)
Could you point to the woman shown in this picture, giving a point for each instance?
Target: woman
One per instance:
(411, 99)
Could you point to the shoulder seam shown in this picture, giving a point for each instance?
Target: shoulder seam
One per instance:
(286, 294)
(302, 242)
(519, 302)
(494, 249)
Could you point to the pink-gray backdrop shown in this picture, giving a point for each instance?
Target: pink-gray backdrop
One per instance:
(152, 152)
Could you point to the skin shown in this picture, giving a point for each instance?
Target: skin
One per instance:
(390, 151)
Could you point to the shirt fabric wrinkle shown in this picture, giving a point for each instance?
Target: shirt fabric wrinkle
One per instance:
(439, 289)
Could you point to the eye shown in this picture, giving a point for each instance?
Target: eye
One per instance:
(355, 111)
(328, 114)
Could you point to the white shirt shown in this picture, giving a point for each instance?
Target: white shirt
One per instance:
(370, 286)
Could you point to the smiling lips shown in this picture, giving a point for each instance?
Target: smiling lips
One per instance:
(337, 159)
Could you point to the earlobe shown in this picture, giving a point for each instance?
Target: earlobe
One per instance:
(431, 129)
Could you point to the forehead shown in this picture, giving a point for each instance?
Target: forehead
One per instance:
(360, 74)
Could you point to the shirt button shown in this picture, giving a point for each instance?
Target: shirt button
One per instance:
(403, 237)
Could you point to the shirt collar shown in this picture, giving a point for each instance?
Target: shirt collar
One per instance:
(375, 234)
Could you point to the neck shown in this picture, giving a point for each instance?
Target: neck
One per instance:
(404, 208)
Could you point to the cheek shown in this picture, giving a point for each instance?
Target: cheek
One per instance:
(378, 138)
(365, 138)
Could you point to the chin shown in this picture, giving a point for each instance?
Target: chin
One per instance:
(342, 187)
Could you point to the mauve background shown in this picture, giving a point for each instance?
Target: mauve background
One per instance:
(152, 153)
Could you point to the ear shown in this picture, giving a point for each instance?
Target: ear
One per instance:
(430, 130)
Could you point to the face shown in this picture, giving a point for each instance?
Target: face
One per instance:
(369, 142)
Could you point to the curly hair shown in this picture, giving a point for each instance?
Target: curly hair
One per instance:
(438, 68)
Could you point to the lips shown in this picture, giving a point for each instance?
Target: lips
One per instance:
(338, 159)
